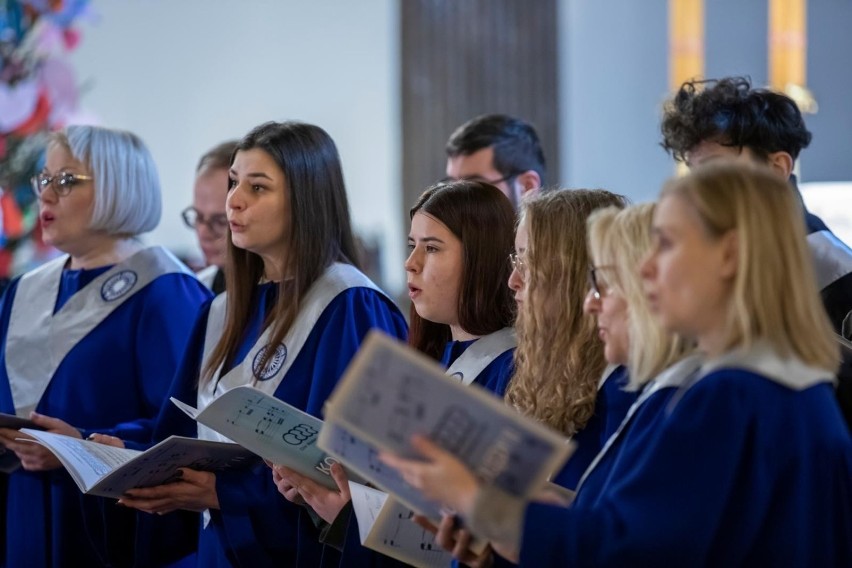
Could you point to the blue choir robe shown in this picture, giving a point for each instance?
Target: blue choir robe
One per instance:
(113, 381)
(255, 525)
(739, 466)
(494, 378)
(611, 405)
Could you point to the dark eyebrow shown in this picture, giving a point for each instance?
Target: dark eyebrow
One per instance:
(251, 175)
(428, 240)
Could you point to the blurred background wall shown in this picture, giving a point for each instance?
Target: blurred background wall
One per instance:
(389, 86)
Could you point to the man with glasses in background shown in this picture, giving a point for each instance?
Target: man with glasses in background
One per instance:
(498, 149)
(207, 213)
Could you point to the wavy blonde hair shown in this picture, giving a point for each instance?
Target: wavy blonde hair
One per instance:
(620, 239)
(775, 296)
(559, 359)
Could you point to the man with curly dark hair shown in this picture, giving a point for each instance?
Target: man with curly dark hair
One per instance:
(728, 118)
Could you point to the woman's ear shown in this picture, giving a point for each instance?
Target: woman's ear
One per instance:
(730, 252)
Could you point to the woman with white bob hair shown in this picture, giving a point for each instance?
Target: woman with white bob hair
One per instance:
(90, 341)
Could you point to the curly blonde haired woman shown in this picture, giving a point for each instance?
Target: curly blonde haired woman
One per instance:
(559, 360)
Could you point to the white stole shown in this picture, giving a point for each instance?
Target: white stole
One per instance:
(484, 350)
(38, 340)
(336, 279)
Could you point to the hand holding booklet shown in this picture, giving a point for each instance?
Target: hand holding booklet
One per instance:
(391, 392)
(107, 471)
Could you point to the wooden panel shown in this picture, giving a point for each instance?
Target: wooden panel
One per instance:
(463, 58)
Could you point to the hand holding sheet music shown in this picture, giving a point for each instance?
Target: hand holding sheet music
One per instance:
(391, 392)
(107, 471)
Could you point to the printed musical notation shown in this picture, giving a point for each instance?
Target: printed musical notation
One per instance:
(385, 526)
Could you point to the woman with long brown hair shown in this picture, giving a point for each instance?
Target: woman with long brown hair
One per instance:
(294, 314)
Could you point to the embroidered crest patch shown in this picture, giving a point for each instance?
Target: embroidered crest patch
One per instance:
(272, 366)
(118, 285)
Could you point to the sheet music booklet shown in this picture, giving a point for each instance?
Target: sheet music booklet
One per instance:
(107, 471)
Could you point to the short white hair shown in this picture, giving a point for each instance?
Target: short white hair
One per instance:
(127, 186)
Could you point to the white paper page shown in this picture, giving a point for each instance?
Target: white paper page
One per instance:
(367, 503)
(190, 411)
(86, 461)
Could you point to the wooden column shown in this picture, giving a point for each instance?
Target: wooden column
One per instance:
(463, 58)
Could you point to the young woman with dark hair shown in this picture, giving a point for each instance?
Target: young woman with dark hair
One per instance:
(461, 315)
(294, 314)
(458, 267)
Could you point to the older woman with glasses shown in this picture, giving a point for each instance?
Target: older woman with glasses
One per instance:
(90, 339)
(207, 214)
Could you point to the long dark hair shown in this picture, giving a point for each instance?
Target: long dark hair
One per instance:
(320, 230)
(483, 219)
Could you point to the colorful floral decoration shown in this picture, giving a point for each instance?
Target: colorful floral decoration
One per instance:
(38, 94)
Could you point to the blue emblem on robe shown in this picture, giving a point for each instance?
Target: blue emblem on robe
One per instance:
(273, 365)
(118, 285)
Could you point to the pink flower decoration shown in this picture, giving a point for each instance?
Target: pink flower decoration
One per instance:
(72, 38)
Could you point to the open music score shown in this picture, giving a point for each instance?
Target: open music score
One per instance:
(107, 471)
(270, 428)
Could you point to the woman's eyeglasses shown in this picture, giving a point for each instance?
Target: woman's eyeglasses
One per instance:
(62, 183)
(599, 286)
(217, 223)
(517, 263)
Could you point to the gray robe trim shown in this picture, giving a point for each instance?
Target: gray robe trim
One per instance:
(335, 280)
(832, 257)
(486, 349)
(760, 358)
(38, 340)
